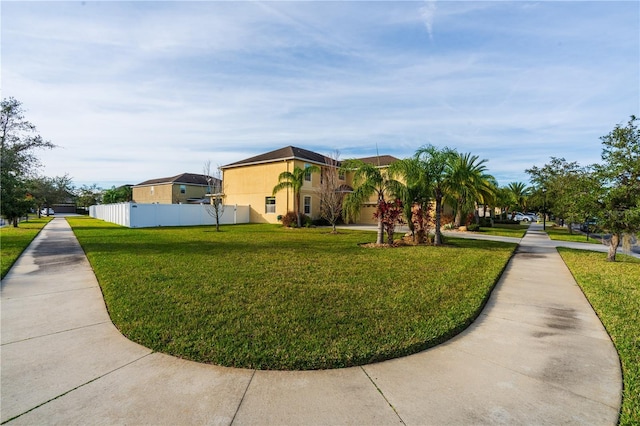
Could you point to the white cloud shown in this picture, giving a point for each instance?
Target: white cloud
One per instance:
(428, 13)
(143, 90)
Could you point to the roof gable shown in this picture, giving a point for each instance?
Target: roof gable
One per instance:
(184, 178)
(286, 153)
(379, 160)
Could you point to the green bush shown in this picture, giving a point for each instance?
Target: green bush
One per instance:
(290, 220)
(486, 222)
(474, 227)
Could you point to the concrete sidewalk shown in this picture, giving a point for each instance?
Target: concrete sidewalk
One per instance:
(536, 355)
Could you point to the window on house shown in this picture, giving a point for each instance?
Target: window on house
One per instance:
(270, 205)
(307, 205)
(307, 173)
(152, 189)
(183, 189)
(340, 175)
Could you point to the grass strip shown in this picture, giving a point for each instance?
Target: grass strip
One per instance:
(14, 241)
(562, 234)
(613, 289)
(504, 230)
(265, 297)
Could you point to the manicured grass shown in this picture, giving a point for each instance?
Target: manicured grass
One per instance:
(613, 289)
(14, 241)
(504, 230)
(265, 297)
(562, 234)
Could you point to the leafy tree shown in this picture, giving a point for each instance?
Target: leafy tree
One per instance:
(121, 194)
(47, 191)
(331, 192)
(556, 179)
(368, 180)
(467, 183)
(18, 141)
(620, 176)
(437, 166)
(294, 181)
(88, 196)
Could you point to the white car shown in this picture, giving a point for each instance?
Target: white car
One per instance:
(524, 217)
(47, 212)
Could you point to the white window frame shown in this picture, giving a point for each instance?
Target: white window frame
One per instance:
(307, 175)
(269, 208)
(305, 205)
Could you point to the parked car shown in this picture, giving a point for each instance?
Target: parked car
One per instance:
(47, 211)
(524, 217)
(589, 225)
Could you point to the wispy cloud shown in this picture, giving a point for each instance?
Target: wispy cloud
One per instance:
(136, 90)
(428, 13)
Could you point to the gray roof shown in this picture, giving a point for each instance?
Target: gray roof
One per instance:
(295, 153)
(286, 153)
(184, 178)
(379, 160)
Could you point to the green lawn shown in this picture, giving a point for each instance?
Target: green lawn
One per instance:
(613, 289)
(505, 230)
(265, 297)
(562, 234)
(13, 241)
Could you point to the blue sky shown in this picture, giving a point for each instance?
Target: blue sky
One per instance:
(137, 90)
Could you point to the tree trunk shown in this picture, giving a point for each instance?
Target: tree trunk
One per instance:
(297, 201)
(613, 247)
(15, 222)
(437, 240)
(457, 222)
(380, 238)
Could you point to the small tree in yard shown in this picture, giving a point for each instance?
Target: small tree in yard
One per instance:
(368, 180)
(215, 208)
(620, 175)
(389, 213)
(422, 221)
(295, 181)
(330, 192)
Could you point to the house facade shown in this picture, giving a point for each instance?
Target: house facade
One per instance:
(185, 188)
(251, 182)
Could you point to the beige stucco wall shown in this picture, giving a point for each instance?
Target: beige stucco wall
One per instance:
(167, 193)
(251, 184)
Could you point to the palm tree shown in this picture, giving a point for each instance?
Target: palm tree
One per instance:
(437, 165)
(367, 181)
(414, 191)
(468, 183)
(520, 193)
(295, 180)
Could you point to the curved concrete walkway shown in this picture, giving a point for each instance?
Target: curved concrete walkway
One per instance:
(536, 355)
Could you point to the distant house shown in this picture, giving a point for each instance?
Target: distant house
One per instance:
(251, 181)
(186, 188)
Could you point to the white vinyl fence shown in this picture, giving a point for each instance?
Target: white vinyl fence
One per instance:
(136, 215)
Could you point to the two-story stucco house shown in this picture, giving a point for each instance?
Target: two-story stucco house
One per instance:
(184, 188)
(251, 182)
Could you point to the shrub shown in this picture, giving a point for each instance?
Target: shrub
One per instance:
(473, 227)
(446, 219)
(320, 222)
(290, 220)
(506, 222)
(486, 222)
